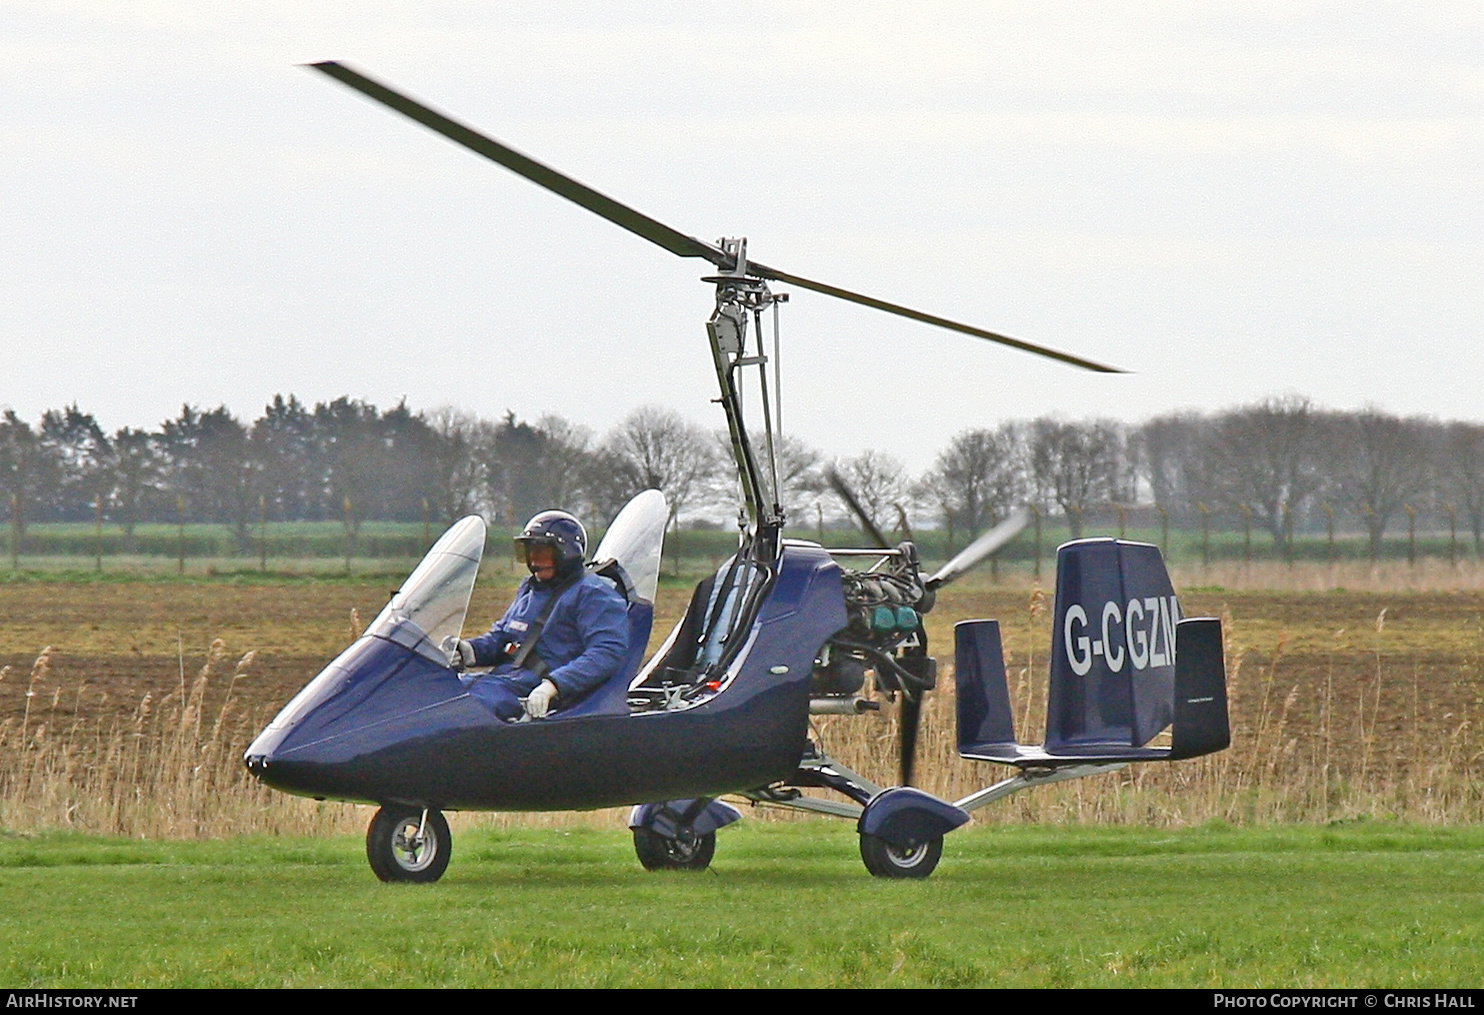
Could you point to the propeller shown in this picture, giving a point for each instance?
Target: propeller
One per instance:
(910, 710)
(642, 225)
(979, 550)
(909, 716)
(838, 484)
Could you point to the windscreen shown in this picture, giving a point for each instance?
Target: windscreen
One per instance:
(636, 539)
(431, 604)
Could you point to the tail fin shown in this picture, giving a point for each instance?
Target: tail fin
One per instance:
(1112, 647)
(1201, 722)
(983, 694)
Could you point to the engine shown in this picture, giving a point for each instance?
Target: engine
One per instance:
(884, 634)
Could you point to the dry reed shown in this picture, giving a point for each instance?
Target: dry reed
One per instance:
(171, 768)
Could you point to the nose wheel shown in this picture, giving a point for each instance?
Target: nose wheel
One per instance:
(408, 844)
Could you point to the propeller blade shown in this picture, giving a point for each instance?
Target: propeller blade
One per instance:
(902, 522)
(763, 271)
(980, 549)
(578, 193)
(848, 496)
(909, 714)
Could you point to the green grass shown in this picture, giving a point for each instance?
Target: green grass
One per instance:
(785, 904)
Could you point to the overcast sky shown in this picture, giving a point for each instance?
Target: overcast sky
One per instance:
(1231, 200)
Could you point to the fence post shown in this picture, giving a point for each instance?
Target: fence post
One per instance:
(994, 558)
(98, 534)
(1205, 534)
(1036, 553)
(1121, 519)
(1164, 531)
(180, 534)
(1246, 534)
(1452, 535)
(263, 532)
(346, 506)
(1411, 534)
(15, 532)
(1329, 524)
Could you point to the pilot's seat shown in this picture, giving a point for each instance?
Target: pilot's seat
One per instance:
(719, 614)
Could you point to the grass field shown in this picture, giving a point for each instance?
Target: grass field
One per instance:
(785, 904)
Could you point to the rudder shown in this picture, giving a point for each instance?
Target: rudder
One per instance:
(1113, 645)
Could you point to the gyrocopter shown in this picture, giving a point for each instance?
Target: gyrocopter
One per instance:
(780, 632)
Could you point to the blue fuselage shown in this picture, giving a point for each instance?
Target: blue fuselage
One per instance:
(385, 724)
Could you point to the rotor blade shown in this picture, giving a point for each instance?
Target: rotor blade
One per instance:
(848, 496)
(763, 271)
(642, 225)
(980, 548)
(578, 193)
(909, 713)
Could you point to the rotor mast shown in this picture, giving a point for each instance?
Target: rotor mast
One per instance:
(738, 296)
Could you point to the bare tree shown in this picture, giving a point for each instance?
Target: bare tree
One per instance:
(459, 470)
(1461, 472)
(879, 482)
(1171, 456)
(1383, 465)
(977, 478)
(656, 448)
(1266, 458)
(1077, 465)
(569, 452)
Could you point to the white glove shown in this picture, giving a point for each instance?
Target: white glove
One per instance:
(538, 702)
(461, 654)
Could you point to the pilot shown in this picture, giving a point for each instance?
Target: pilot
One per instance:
(578, 621)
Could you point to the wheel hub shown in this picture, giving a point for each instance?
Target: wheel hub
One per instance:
(413, 851)
(908, 856)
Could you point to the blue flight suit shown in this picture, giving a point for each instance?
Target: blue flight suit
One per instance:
(585, 642)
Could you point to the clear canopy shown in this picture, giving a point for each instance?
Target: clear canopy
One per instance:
(636, 539)
(430, 606)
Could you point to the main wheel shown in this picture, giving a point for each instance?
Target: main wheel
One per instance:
(885, 860)
(658, 853)
(398, 853)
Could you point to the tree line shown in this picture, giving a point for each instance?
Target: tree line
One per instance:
(1282, 465)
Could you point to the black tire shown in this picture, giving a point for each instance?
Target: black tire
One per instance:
(397, 855)
(658, 853)
(884, 860)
